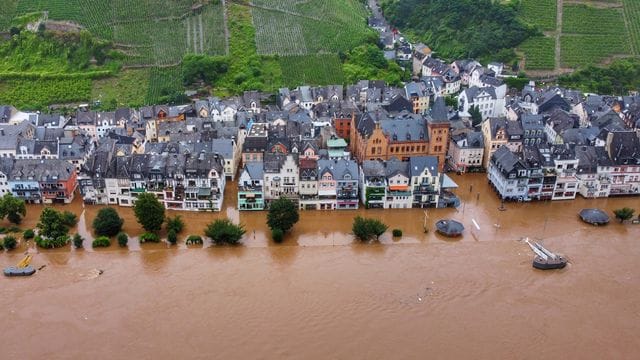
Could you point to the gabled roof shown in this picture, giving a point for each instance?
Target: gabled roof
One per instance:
(255, 170)
(417, 164)
(395, 167)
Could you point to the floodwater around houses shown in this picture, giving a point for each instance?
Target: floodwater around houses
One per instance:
(321, 295)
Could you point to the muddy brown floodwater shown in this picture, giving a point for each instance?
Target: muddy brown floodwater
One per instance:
(320, 295)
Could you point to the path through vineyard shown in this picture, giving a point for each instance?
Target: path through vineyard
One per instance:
(558, 33)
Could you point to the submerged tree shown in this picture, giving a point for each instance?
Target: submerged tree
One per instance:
(149, 212)
(624, 214)
(366, 229)
(283, 214)
(223, 231)
(12, 208)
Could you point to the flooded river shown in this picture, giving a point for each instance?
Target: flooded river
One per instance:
(320, 295)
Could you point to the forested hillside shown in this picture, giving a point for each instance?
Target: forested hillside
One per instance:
(461, 28)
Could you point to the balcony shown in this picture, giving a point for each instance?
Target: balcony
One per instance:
(424, 189)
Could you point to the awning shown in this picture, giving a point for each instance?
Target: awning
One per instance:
(398, 187)
(204, 191)
(250, 195)
(448, 183)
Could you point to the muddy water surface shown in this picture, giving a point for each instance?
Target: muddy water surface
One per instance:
(320, 295)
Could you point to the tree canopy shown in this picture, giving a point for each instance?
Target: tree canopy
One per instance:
(223, 231)
(621, 77)
(205, 68)
(107, 222)
(12, 208)
(149, 212)
(283, 214)
(366, 229)
(460, 28)
(624, 214)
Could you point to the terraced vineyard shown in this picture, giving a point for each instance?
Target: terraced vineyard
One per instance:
(590, 49)
(632, 17)
(293, 27)
(591, 35)
(539, 53)
(311, 69)
(541, 13)
(593, 32)
(582, 19)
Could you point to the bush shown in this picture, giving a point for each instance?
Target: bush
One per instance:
(151, 237)
(2, 230)
(77, 241)
(9, 242)
(123, 239)
(396, 232)
(172, 237)
(624, 214)
(367, 229)
(277, 235)
(176, 224)
(50, 243)
(107, 222)
(194, 240)
(14, 229)
(101, 241)
(69, 219)
(223, 231)
(28, 234)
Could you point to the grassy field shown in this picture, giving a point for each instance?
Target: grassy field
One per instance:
(541, 13)
(539, 53)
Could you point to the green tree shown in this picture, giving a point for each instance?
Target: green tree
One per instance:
(28, 234)
(172, 237)
(476, 116)
(68, 218)
(12, 208)
(283, 214)
(205, 68)
(149, 212)
(52, 224)
(624, 214)
(107, 222)
(123, 239)
(223, 231)
(77, 241)
(176, 224)
(277, 235)
(9, 242)
(366, 229)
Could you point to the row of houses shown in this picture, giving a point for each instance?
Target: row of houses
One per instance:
(44, 181)
(341, 184)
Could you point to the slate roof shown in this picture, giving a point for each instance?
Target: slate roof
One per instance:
(255, 170)
(417, 164)
(42, 170)
(439, 112)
